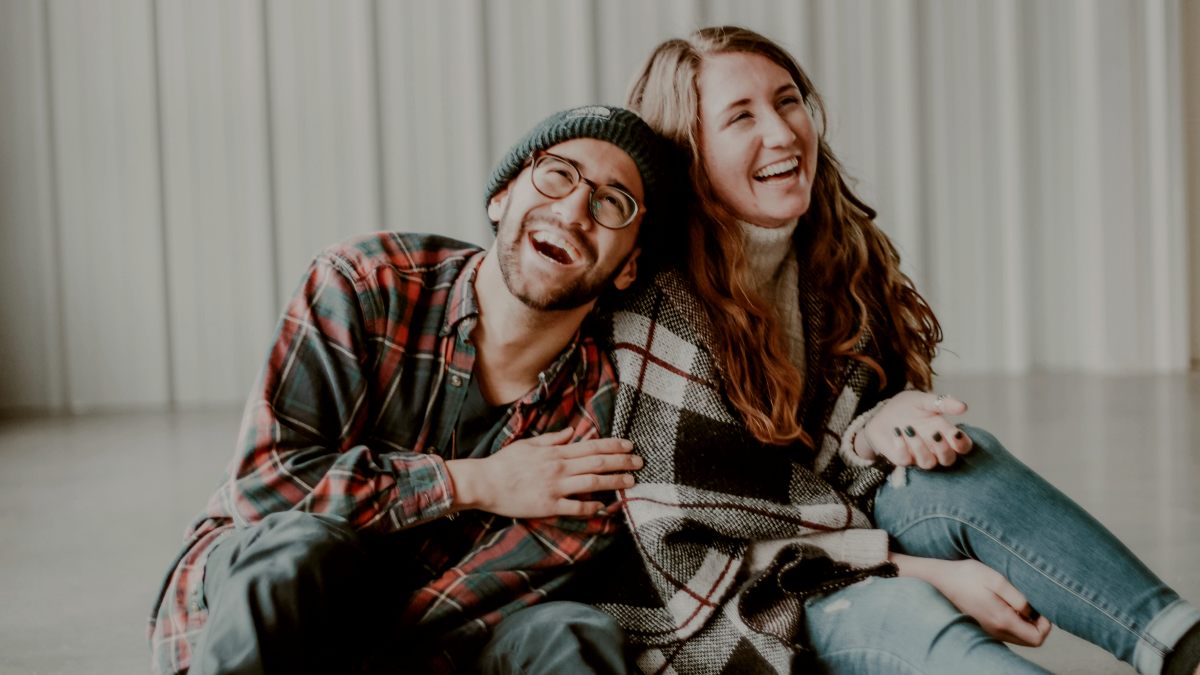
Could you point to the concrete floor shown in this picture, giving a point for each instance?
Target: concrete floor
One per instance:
(92, 508)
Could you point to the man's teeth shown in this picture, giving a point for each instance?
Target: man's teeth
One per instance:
(561, 249)
(778, 168)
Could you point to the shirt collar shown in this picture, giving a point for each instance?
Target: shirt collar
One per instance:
(463, 303)
(548, 377)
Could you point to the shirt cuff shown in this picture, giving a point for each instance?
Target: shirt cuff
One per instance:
(846, 449)
(425, 491)
(858, 548)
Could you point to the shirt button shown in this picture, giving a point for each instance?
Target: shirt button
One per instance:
(456, 380)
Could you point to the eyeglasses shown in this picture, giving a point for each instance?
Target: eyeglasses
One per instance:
(557, 177)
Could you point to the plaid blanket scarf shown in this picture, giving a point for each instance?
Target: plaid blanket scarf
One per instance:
(679, 586)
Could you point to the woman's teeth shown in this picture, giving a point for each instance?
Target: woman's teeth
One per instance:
(778, 168)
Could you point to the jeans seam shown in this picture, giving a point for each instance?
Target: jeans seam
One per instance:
(1152, 643)
(871, 650)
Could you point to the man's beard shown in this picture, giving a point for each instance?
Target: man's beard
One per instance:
(573, 295)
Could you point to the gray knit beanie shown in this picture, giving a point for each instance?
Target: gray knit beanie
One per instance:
(653, 156)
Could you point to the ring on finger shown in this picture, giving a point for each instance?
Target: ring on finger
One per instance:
(937, 403)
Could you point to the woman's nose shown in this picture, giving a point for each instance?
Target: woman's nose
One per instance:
(777, 132)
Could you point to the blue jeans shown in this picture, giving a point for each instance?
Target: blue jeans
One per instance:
(992, 508)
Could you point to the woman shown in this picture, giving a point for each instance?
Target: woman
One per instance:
(775, 382)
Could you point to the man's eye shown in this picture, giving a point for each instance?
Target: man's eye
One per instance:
(611, 200)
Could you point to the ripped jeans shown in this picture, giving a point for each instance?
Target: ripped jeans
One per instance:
(991, 507)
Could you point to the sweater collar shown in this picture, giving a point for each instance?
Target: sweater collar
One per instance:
(766, 249)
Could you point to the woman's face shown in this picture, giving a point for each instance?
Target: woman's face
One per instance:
(757, 140)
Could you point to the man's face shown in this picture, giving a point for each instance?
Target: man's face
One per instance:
(552, 254)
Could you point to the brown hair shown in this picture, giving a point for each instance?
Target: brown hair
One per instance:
(859, 278)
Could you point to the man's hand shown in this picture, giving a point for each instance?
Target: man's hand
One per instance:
(912, 428)
(982, 594)
(535, 477)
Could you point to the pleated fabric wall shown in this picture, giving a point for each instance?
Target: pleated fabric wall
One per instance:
(168, 168)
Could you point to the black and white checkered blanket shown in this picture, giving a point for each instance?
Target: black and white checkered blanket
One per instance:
(708, 490)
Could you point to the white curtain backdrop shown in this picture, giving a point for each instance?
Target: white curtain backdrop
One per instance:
(168, 167)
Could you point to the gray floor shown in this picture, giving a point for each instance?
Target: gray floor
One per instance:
(92, 508)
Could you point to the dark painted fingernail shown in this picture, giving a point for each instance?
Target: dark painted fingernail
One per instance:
(958, 435)
(1033, 614)
(910, 431)
(937, 437)
(897, 430)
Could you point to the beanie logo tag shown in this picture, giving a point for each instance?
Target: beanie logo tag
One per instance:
(590, 111)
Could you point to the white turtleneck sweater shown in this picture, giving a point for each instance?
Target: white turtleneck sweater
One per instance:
(775, 274)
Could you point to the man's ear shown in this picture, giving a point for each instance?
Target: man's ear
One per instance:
(497, 204)
(628, 272)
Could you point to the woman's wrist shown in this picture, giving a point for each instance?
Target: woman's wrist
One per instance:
(856, 441)
(862, 445)
(911, 566)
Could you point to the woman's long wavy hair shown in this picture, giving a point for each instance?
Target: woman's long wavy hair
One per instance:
(858, 276)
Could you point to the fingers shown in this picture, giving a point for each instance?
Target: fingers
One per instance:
(576, 508)
(594, 446)
(932, 442)
(1018, 622)
(940, 447)
(587, 509)
(609, 463)
(917, 447)
(948, 404)
(1009, 594)
(1011, 627)
(956, 440)
(962, 442)
(591, 482)
(898, 453)
(1043, 628)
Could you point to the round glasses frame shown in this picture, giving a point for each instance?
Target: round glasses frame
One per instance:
(556, 177)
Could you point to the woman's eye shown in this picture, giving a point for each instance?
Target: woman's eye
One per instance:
(739, 117)
(788, 101)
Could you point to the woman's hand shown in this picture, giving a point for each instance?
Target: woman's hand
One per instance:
(912, 428)
(982, 594)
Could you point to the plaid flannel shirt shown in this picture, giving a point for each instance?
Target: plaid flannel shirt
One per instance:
(354, 415)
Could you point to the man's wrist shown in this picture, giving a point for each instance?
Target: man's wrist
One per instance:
(464, 484)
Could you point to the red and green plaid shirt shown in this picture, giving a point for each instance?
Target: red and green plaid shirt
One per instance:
(354, 415)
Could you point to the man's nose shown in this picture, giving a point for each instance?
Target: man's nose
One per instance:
(574, 207)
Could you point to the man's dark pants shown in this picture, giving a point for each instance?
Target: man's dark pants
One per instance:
(301, 592)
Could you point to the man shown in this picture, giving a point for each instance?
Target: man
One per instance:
(419, 459)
